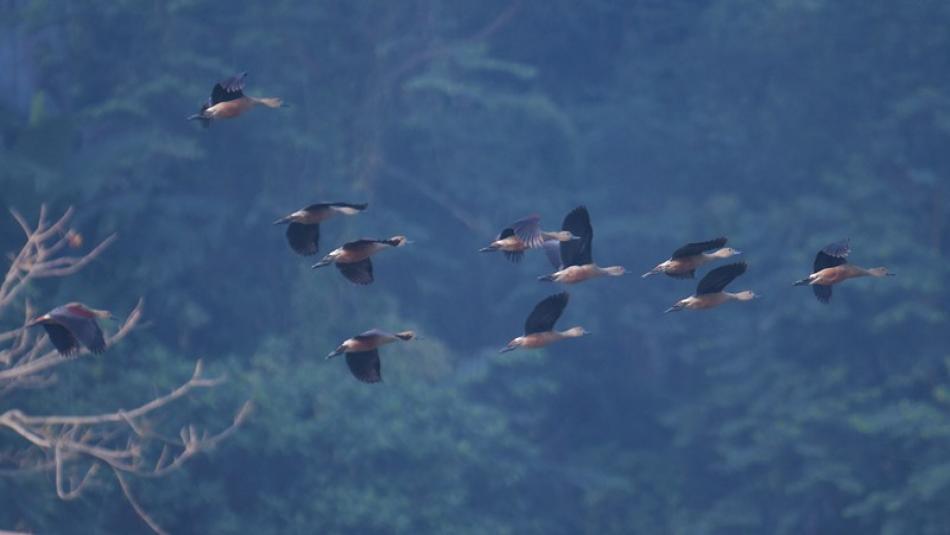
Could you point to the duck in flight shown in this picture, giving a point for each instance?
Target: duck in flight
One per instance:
(362, 352)
(228, 100)
(522, 235)
(710, 292)
(574, 257)
(831, 267)
(352, 258)
(684, 261)
(539, 327)
(303, 226)
(73, 324)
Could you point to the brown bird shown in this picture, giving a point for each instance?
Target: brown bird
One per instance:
(522, 235)
(228, 100)
(576, 263)
(303, 226)
(710, 292)
(831, 267)
(539, 327)
(685, 260)
(352, 259)
(72, 324)
(362, 352)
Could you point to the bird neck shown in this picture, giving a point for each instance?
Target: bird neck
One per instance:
(613, 271)
(719, 253)
(746, 295)
(561, 235)
(573, 332)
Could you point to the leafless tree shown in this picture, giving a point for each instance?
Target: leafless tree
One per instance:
(76, 448)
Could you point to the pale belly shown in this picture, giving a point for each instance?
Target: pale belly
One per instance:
(536, 340)
(229, 109)
(702, 302)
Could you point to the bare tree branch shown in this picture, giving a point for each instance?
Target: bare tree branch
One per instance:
(125, 440)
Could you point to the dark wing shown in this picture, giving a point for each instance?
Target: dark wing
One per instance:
(823, 293)
(303, 239)
(693, 249)
(86, 330)
(62, 340)
(365, 365)
(552, 249)
(577, 252)
(359, 272)
(528, 230)
(514, 256)
(716, 280)
(373, 334)
(359, 244)
(228, 89)
(832, 255)
(546, 313)
(506, 233)
(682, 275)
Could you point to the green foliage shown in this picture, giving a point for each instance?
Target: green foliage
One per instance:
(783, 125)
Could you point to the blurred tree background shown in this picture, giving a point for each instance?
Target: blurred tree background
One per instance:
(782, 124)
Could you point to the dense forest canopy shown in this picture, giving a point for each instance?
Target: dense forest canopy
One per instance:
(782, 124)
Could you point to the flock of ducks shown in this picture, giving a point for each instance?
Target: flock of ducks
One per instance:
(569, 250)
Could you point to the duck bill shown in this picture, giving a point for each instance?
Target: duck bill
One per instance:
(673, 308)
(507, 349)
(321, 264)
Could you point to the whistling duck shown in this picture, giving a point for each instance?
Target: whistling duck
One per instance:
(685, 260)
(831, 267)
(539, 327)
(362, 352)
(575, 262)
(303, 226)
(710, 290)
(522, 235)
(228, 101)
(72, 324)
(352, 259)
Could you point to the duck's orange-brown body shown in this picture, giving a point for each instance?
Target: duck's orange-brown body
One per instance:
(710, 292)
(576, 274)
(687, 259)
(831, 267)
(233, 108)
(228, 101)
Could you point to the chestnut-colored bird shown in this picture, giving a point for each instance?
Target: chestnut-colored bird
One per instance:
(539, 327)
(710, 292)
(362, 352)
(831, 267)
(522, 235)
(576, 262)
(303, 226)
(352, 259)
(684, 261)
(228, 100)
(73, 324)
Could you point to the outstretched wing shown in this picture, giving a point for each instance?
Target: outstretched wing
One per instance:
(228, 89)
(823, 293)
(86, 330)
(693, 249)
(834, 254)
(546, 313)
(358, 272)
(577, 252)
(62, 340)
(552, 250)
(716, 280)
(528, 230)
(303, 239)
(365, 365)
